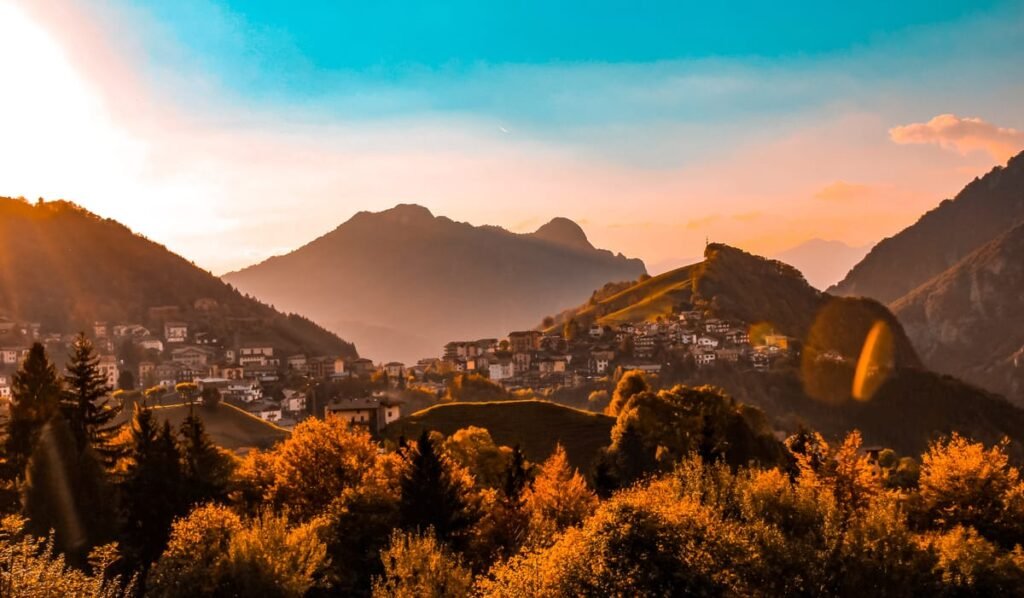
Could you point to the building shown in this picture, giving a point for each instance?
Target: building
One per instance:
(362, 367)
(150, 344)
(108, 369)
(524, 341)
(175, 332)
(500, 369)
(191, 356)
(298, 363)
(255, 355)
(394, 370)
(600, 360)
(266, 410)
(372, 412)
(294, 401)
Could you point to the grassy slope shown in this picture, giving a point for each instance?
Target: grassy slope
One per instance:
(643, 301)
(227, 425)
(536, 426)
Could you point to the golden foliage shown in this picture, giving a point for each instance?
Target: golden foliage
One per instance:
(559, 498)
(418, 566)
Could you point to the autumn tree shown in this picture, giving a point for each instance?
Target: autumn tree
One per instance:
(474, 449)
(85, 402)
(436, 494)
(632, 383)
(35, 399)
(418, 565)
(558, 498)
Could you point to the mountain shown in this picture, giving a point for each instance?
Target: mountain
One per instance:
(969, 320)
(823, 263)
(402, 282)
(910, 406)
(984, 209)
(67, 268)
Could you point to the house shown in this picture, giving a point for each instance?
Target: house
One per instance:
(704, 358)
(196, 357)
(168, 374)
(145, 373)
(596, 331)
(729, 355)
(107, 366)
(521, 362)
(707, 342)
(175, 332)
(265, 410)
(9, 356)
(298, 363)
(687, 337)
(150, 344)
(5, 386)
(600, 360)
(6, 325)
(394, 370)
(100, 330)
(523, 341)
(372, 412)
(255, 355)
(737, 336)
(647, 368)
(716, 326)
(245, 390)
(362, 367)
(294, 401)
(776, 340)
(500, 369)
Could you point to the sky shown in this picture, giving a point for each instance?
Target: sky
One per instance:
(235, 130)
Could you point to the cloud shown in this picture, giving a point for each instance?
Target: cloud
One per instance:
(701, 223)
(963, 135)
(843, 191)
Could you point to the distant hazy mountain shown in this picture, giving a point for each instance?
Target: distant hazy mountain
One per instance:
(911, 408)
(982, 211)
(969, 320)
(402, 282)
(823, 263)
(66, 268)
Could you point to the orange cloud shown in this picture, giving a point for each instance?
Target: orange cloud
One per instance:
(963, 135)
(843, 191)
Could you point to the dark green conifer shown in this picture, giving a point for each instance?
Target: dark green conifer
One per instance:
(35, 399)
(435, 495)
(85, 402)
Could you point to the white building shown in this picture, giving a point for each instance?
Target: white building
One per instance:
(500, 369)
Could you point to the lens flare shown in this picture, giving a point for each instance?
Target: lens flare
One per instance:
(875, 363)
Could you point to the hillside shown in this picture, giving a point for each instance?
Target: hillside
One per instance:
(228, 426)
(66, 268)
(969, 320)
(402, 282)
(733, 284)
(536, 426)
(984, 209)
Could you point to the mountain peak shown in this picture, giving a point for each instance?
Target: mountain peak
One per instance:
(407, 212)
(563, 231)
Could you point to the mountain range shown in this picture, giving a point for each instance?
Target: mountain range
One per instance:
(402, 282)
(954, 279)
(66, 268)
(823, 263)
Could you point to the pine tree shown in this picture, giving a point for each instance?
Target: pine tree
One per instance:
(66, 491)
(151, 490)
(516, 477)
(85, 402)
(205, 468)
(35, 396)
(436, 494)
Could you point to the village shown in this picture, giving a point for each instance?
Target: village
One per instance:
(283, 389)
(575, 356)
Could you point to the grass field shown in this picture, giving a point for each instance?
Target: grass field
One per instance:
(227, 425)
(536, 426)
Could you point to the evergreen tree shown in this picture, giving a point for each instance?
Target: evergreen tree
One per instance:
(516, 477)
(35, 397)
(85, 402)
(65, 491)
(151, 490)
(436, 494)
(205, 468)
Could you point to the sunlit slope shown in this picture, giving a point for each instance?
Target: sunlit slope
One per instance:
(228, 426)
(536, 426)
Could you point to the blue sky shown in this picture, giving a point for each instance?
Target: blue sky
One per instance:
(655, 124)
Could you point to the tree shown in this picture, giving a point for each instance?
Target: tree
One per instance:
(316, 464)
(188, 391)
(632, 383)
(474, 449)
(35, 399)
(206, 469)
(151, 490)
(436, 494)
(416, 564)
(126, 380)
(85, 402)
(213, 552)
(559, 498)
